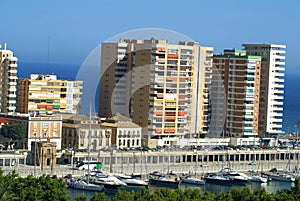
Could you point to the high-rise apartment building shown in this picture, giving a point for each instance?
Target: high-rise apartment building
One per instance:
(240, 91)
(272, 86)
(8, 80)
(158, 84)
(45, 94)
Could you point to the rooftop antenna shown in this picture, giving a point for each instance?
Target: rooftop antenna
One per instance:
(48, 57)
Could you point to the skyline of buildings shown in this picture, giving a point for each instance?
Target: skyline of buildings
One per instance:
(172, 91)
(157, 84)
(184, 91)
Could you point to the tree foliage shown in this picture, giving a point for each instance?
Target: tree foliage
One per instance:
(13, 187)
(14, 131)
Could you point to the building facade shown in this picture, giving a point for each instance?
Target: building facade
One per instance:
(8, 80)
(158, 84)
(39, 128)
(272, 86)
(45, 94)
(125, 133)
(240, 74)
(75, 133)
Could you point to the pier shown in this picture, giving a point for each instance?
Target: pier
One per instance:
(144, 162)
(199, 161)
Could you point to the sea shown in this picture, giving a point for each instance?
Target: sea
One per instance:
(69, 71)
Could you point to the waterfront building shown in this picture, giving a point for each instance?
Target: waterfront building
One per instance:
(125, 133)
(45, 94)
(39, 128)
(8, 80)
(272, 86)
(75, 133)
(240, 87)
(160, 85)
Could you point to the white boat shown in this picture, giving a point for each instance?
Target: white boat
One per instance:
(192, 180)
(258, 179)
(235, 176)
(108, 181)
(82, 185)
(215, 178)
(132, 181)
(165, 180)
(282, 177)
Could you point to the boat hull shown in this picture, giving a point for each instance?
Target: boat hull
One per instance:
(165, 183)
(193, 181)
(85, 186)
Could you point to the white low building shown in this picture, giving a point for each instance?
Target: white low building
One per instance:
(125, 133)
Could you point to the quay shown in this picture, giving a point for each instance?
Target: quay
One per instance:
(144, 162)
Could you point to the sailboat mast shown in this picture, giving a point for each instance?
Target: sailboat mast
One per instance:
(169, 153)
(89, 144)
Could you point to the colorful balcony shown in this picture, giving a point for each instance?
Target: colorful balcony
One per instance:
(172, 56)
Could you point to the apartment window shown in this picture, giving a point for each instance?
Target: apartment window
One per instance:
(34, 133)
(45, 133)
(54, 133)
(35, 124)
(45, 125)
(55, 125)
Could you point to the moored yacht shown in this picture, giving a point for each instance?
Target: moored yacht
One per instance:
(256, 178)
(170, 180)
(132, 181)
(108, 181)
(82, 185)
(227, 176)
(190, 179)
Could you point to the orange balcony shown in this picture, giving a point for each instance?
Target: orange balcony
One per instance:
(172, 79)
(183, 79)
(169, 130)
(160, 95)
(172, 56)
(158, 113)
(161, 49)
(39, 106)
(49, 107)
(170, 118)
(181, 113)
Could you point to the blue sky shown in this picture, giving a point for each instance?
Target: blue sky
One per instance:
(77, 27)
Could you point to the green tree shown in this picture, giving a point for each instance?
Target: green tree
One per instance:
(14, 131)
(123, 195)
(99, 197)
(262, 195)
(284, 195)
(223, 196)
(81, 198)
(296, 189)
(142, 195)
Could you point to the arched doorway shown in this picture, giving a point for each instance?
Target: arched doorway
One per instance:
(48, 161)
